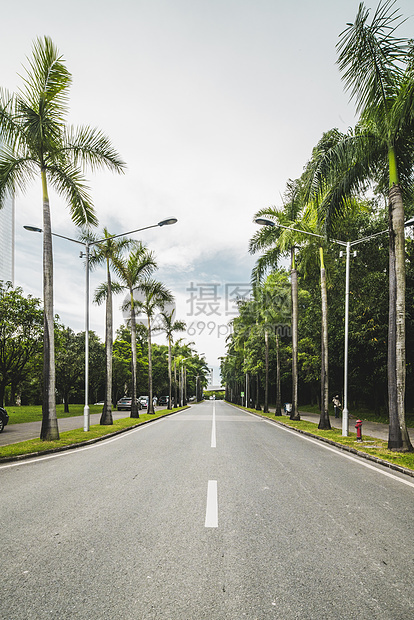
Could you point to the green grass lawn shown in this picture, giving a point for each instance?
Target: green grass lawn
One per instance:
(361, 414)
(33, 413)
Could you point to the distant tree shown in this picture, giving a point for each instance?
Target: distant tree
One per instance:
(104, 253)
(70, 356)
(169, 326)
(278, 242)
(132, 271)
(21, 320)
(155, 296)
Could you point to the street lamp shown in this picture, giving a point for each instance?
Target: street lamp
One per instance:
(347, 245)
(87, 244)
(183, 381)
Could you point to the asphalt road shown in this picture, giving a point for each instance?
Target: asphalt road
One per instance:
(209, 514)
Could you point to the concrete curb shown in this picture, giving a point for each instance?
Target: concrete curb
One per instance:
(360, 453)
(82, 444)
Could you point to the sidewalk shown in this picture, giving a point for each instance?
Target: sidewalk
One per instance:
(13, 433)
(369, 429)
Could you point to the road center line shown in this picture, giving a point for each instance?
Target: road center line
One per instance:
(213, 427)
(212, 506)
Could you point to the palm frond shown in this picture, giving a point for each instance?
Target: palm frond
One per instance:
(70, 183)
(101, 293)
(91, 147)
(371, 56)
(9, 128)
(264, 263)
(47, 81)
(15, 173)
(139, 265)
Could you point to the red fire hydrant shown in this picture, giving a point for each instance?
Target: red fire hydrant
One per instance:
(358, 427)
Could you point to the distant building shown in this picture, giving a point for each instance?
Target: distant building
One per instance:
(7, 241)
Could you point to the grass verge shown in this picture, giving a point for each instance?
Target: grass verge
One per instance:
(33, 413)
(370, 445)
(78, 436)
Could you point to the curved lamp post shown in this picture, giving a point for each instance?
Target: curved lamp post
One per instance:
(87, 244)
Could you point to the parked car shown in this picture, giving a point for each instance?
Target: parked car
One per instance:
(4, 418)
(124, 404)
(163, 400)
(143, 400)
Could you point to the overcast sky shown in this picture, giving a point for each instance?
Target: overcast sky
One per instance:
(213, 104)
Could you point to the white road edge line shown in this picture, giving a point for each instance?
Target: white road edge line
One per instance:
(340, 452)
(213, 428)
(98, 444)
(212, 506)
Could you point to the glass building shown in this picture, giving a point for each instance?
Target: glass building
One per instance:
(7, 241)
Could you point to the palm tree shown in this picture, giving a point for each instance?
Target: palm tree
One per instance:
(132, 270)
(105, 252)
(156, 295)
(169, 326)
(378, 70)
(278, 242)
(324, 422)
(37, 140)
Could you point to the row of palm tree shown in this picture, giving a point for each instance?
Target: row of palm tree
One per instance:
(134, 266)
(378, 69)
(36, 140)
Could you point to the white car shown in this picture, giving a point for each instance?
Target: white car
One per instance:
(143, 400)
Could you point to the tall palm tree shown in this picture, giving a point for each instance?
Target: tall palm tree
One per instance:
(378, 69)
(170, 326)
(278, 242)
(132, 270)
(104, 253)
(37, 140)
(156, 295)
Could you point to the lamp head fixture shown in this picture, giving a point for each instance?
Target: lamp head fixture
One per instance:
(264, 222)
(33, 229)
(168, 221)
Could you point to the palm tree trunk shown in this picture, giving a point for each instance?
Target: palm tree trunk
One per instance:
(134, 407)
(266, 402)
(278, 392)
(324, 422)
(169, 374)
(175, 386)
(150, 408)
(396, 208)
(106, 417)
(49, 430)
(294, 415)
(257, 404)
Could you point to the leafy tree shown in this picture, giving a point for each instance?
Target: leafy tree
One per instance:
(21, 322)
(121, 365)
(70, 364)
(37, 140)
(70, 356)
